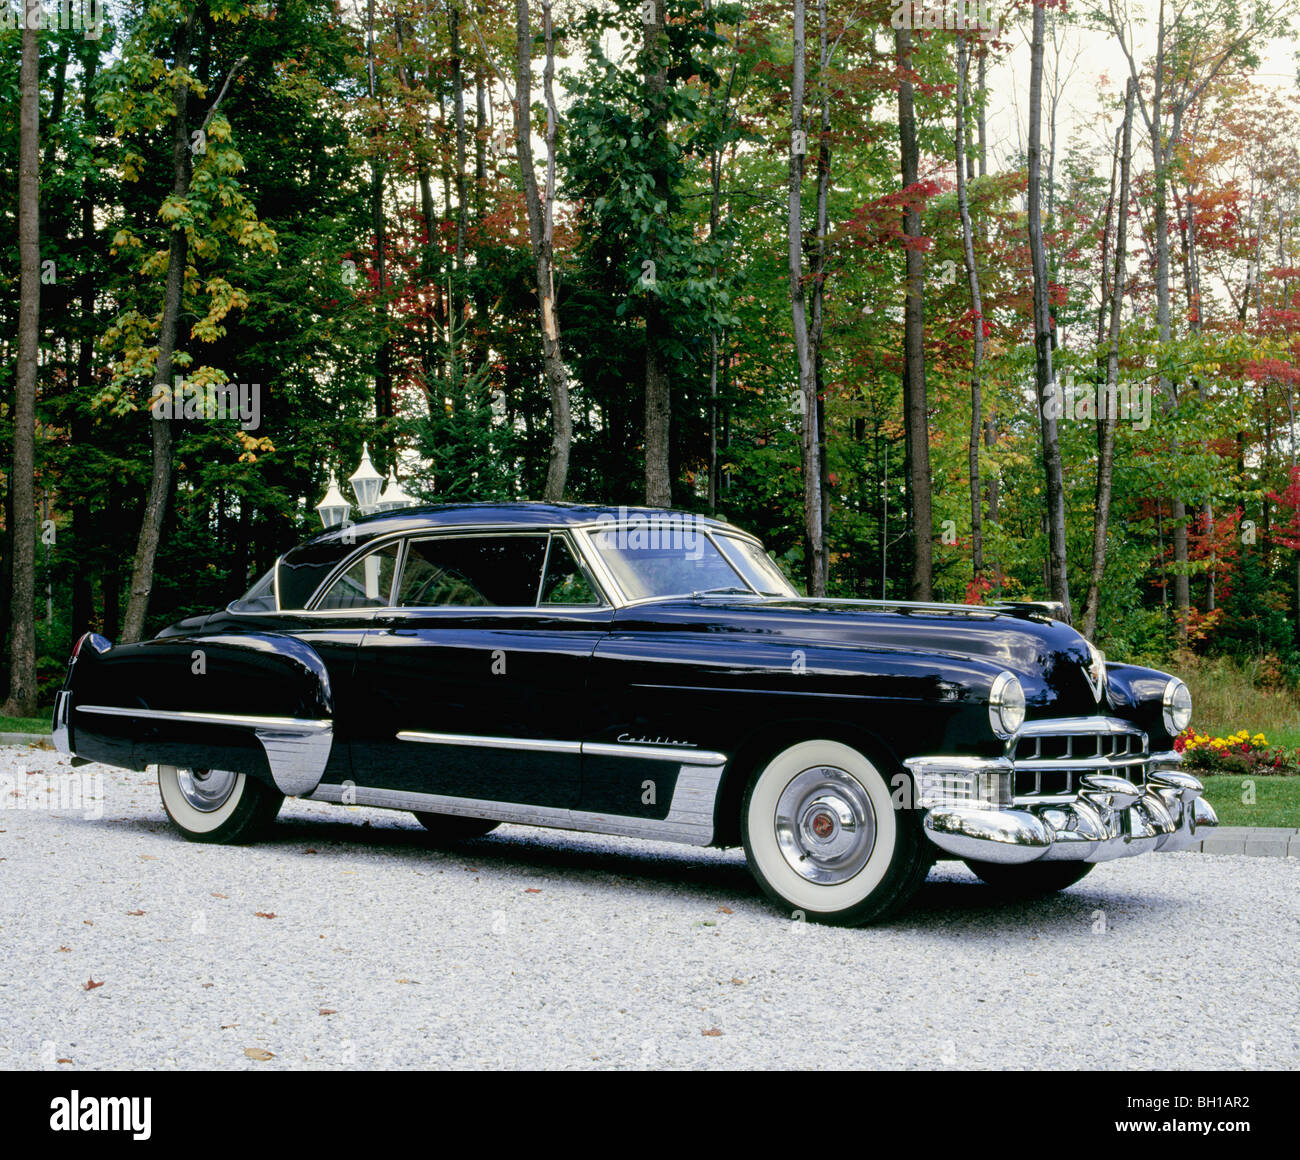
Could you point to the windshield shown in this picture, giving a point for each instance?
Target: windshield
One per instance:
(678, 558)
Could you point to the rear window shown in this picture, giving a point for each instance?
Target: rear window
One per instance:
(260, 597)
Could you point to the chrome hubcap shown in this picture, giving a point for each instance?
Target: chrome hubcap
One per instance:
(825, 825)
(206, 789)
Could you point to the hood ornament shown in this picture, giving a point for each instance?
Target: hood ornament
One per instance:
(1095, 672)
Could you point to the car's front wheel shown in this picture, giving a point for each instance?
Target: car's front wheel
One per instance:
(217, 805)
(824, 839)
(1034, 880)
(449, 828)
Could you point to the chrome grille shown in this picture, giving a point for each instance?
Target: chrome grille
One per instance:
(1051, 756)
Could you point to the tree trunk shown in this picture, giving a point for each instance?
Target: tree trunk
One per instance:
(812, 492)
(82, 425)
(541, 231)
(1106, 422)
(22, 632)
(161, 428)
(915, 420)
(977, 316)
(658, 402)
(1044, 377)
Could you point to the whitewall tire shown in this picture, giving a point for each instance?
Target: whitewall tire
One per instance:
(825, 838)
(215, 805)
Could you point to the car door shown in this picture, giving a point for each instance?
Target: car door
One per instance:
(475, 684)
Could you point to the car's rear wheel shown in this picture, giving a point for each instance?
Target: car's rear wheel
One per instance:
(449, 828)
(1034, 880)
(217, 805)
(824, 839)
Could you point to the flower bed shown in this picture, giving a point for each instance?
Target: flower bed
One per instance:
(1238, 753)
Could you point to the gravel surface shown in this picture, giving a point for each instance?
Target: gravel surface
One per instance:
(346, 940)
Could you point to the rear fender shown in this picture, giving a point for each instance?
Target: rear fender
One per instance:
(255, 703)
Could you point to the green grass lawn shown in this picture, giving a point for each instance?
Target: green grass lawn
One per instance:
(1277, 801)
(25, 724)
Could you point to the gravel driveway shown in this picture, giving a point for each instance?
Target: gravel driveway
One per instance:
(347, 941)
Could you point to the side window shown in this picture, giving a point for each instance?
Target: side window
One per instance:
(367, 584)
(502, 571)
(565, 582)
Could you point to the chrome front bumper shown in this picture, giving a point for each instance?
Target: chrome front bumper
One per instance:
(1109, 817)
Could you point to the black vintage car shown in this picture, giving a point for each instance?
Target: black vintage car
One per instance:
(650, 674)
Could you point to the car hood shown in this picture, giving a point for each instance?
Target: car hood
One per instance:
(1052, 660)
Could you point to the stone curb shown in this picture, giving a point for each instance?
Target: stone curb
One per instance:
(1255, 841)
(40, 740)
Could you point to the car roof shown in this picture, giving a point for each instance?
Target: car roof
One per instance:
(518, 514)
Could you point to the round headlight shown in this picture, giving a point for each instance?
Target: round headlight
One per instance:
(1178, 707)
(1006, 705)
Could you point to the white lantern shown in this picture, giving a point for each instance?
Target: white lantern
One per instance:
(333, 508)
(366, 482)
(394, 497)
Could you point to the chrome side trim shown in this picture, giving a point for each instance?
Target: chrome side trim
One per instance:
(476, 742)
(689, 820)
(655, 753)
(59, 727)
(297, 749)
(678, 754)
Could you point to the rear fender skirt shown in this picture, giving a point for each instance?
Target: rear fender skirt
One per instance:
(296, 749)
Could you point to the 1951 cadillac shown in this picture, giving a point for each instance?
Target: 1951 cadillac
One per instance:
(650, 674)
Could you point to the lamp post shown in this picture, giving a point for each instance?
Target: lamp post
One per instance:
(366, 483)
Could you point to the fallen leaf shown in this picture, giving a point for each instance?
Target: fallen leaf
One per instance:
(266, 914)
(725, 910)
(135, 913)
(414, 981)
(327, 1011)
(738, 982)
(207, 984)
(148, 857)
(63, 1061)
(258, 1053)
(471, 869)
(532, 890)
(65, 948)
(712, 1032)
(90, 984)
(216, 895)
(309, 850)
(229, 1026)
(86, 922)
